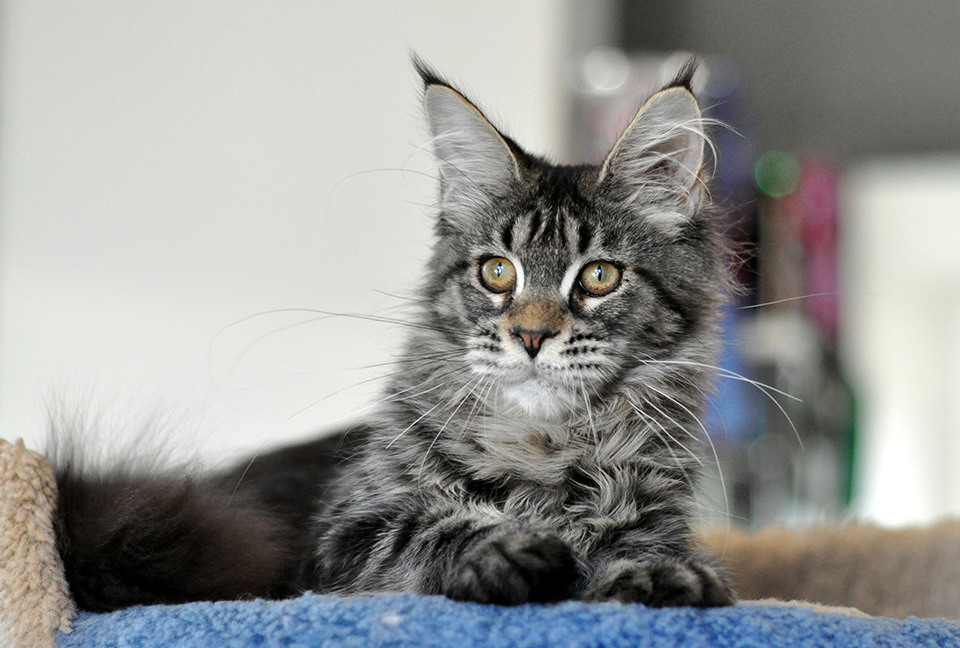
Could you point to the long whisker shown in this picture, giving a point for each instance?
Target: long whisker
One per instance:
(486, 384)
(713, 447)
(789, 299)
(653, 428)
(472, 387)
(589, 410)
(256, 341)
(425, 358)
(764, 388)
(680, 427)
(724, 373)
(322, 315)
(325, 314)
(416, 300)
(419, 418)
(314, 403)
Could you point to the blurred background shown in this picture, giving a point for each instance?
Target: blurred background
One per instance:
(184, 184)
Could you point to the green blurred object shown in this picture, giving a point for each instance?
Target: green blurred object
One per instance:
(777, 173)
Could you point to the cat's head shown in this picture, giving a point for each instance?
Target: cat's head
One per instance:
(563, 283)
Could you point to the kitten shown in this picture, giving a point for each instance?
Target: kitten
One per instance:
(538, 442)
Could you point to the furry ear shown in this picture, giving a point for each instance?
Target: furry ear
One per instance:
(476, 161)
(659, 157)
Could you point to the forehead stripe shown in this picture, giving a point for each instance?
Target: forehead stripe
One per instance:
(685, 312)
(562, 224)
(506, 236)
(534, 225)
(549, 226)
(584, 234)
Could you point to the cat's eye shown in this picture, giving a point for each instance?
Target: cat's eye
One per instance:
(599, 278)
(498, 274)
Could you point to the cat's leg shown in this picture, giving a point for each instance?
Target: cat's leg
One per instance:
(459, 553)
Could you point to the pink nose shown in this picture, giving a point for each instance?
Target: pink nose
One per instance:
(532, 340)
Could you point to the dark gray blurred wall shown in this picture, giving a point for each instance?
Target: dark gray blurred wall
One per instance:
(860, 78)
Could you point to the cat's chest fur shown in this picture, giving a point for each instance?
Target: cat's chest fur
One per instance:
(584, 475)
(506, 445)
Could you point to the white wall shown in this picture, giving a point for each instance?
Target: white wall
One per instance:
(168, 169)
(902, 334)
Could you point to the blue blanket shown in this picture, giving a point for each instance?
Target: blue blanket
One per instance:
(400, 621)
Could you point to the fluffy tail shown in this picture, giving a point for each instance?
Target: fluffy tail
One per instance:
(135, 538)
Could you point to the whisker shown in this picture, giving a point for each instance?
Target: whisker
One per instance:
(589, 410)
(363, 172)
(680, 427)
(418, 419)
(369, 380)
(486, 384)
(428, 357)
(657, 424)
(764, 388)
(473, 384)
(256, 341)
(416, 300)
(724, 373)
(789, 299)
(326, 314)
(713, 447)
(240, 479)
(321, 315)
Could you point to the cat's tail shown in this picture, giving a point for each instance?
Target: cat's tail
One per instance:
(136, 536)
(135, 539)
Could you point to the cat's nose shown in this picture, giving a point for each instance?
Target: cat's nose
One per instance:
(533, 339)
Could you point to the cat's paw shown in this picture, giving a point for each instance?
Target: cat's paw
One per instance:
(660, 583)
(511, 568)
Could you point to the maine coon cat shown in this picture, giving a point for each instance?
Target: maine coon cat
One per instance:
(538, 442)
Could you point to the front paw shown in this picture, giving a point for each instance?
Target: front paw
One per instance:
(661, 582)
(511, 568)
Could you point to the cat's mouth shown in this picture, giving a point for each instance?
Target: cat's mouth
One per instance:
(541, 390)
(532, 371)
(553, 384)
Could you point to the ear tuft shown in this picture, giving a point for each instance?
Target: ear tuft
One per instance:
(684, 76)
(658, 159)
(427, 74)
(476, 161)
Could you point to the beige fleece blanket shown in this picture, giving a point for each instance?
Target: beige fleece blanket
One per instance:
(34, 600)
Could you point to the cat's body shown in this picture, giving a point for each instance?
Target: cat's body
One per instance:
(537, 442)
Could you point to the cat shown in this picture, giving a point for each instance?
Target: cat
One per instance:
(538, 442)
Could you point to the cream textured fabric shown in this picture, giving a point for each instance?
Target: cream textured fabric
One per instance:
(34, 600)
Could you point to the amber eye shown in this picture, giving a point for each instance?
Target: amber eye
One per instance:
(498, 274)
(599, 278)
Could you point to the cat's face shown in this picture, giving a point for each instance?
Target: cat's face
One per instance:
(564, 283)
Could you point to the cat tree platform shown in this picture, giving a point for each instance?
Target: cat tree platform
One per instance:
(36, 610)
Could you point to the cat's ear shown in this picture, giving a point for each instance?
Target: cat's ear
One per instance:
(659, 157)
(476, 161)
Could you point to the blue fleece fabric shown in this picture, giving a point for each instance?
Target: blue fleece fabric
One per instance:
(402, 621)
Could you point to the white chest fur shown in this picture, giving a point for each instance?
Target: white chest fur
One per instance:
(512, 444)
